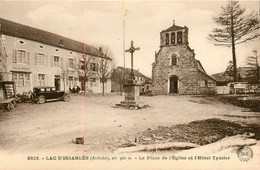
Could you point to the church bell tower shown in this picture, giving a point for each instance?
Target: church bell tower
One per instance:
(174, 35)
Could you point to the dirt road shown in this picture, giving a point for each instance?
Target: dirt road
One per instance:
(50, 127)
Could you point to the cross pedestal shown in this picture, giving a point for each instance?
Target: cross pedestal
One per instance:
(132, 97)
(132, 93)
(132, 90)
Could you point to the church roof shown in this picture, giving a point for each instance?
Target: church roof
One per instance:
(200, 66)
(22, 31)
(174, 28)
(202, 70)
(212, 78)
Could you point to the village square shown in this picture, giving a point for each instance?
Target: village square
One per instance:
(66, 96)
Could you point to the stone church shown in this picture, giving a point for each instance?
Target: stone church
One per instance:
(175, 70)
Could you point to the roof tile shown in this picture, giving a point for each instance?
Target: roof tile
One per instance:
(22, 31)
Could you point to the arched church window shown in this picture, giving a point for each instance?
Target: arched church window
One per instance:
(167, 39)
(173, 38)
(179, 37)
(174, 60)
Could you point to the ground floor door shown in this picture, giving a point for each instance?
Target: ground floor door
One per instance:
(57, 82)
(82, 84)
(173, 84)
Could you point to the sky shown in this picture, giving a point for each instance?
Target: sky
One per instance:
(100, 23)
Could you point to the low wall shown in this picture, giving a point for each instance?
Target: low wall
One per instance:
(223, 89)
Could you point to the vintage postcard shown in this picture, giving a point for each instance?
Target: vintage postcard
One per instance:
(129, 85)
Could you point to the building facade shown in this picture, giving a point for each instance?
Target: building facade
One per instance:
(175, 70)
(40, 58)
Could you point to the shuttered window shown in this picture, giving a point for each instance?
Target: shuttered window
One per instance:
(21, 56)
(70, 63)
(93, 67)
(41, 79)
(56, 61)
(21, 79)
(40, 59)
(82, 65)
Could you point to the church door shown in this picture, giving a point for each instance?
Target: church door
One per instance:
(173, 84)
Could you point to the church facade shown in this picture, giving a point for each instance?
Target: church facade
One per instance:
(175, 70)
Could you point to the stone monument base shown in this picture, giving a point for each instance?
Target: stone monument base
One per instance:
(131, 104)
(132, 100)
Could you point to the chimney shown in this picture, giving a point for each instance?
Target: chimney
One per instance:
(173, 22)
(100, 49)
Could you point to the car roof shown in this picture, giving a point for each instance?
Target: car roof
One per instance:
(39, 87)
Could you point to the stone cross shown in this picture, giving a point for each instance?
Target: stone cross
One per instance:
(131, 50)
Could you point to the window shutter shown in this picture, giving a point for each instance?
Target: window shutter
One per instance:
(67, 64)
(61, 62)
(51, 60)
(35, 59)
(15, 56)
(28, 57)
(46, 58)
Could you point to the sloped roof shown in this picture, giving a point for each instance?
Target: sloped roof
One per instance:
(202, 70)
(128, 71)
(174, 28)
(22, 31)
(212, 78)
(200, 66)
(148, 80)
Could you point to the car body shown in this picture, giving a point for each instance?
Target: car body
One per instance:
(41, 94)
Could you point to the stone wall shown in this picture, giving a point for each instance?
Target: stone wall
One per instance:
(210, 87)
(186, 70)
(116, 87)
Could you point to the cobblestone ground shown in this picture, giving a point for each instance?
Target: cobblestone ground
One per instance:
(50, 127)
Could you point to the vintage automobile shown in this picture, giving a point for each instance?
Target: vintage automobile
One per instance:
(41, 94)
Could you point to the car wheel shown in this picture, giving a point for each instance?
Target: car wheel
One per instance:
(66, 98)
(41, 99)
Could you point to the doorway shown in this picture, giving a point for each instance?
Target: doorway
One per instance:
(173, 84)
(57, 82)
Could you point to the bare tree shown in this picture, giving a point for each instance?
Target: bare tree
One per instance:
(252, 72)
(64, 76)
(105, 67)
(89, 67)
(84, 68)
(234, 28)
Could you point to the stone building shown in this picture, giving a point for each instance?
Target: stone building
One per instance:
(39, 58)
(117, 79)
(175, 69)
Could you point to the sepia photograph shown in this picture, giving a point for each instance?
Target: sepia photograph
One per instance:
(130, 85)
